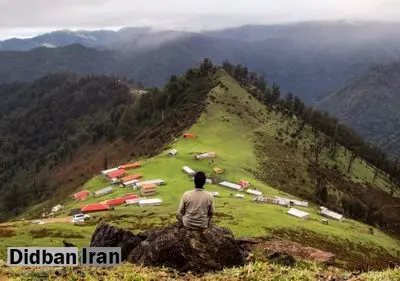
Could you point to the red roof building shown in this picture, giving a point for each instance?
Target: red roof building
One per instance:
(97, 207)
(116, 174)
(244, 184)
(131, 166)
(189, 136)
(120, 200)
(81, 195)
(131, 177)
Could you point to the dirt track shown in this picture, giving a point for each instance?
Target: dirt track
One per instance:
(46, 221)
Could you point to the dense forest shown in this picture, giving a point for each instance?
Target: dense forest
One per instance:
(370, 104)
(58, 119)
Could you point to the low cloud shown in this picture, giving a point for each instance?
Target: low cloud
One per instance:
(24, 17)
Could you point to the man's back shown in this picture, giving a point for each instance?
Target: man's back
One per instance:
(197, 207)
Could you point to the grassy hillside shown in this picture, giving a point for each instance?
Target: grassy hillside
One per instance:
(370, 105)
(254, 271)
(234, 125)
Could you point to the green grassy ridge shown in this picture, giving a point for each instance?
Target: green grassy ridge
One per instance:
(217, 130)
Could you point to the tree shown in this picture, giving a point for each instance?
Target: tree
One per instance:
(318, 146)
(321, 192)
(352, 158)
(105, 161)
(276, 93)
(206, 66)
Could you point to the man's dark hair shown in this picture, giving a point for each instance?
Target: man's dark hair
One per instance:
(199, 179)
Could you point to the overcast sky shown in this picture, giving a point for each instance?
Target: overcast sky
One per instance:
(24, 18)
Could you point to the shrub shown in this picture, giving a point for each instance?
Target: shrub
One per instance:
(7, 232)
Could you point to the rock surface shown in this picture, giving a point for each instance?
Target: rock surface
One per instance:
(173, 246)
(297, 250)
(107, 235)
(186, 250)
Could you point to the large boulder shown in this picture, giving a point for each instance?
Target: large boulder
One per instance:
(173, 246)
(107, 235)
(198, 251)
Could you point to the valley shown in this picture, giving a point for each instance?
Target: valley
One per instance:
(254, 144)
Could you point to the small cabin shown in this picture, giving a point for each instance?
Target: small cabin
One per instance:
(189, 136)
(57, 208)
(239, 196)
(172, 152)
(105, 172)
(231, 185)
(131, 178)
(81, 195)
(150, 202)
(156, 182)
(117, 174)
(244, 184)
(298, 213)
(148, 189)
(130, 166)
(97, 207)
(130, 183)
(205, 155)
(330, 214)
(104, 191)
(188, 170)
(254, 192)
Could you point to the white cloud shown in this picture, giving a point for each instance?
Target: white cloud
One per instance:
(39, 15)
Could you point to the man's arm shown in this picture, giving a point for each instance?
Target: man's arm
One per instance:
(211, 209)
(182, 209)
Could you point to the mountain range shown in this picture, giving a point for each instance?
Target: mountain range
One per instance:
(309, 59)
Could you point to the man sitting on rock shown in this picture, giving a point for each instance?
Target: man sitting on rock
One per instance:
(197, 206)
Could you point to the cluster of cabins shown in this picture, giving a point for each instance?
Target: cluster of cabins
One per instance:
(118, 176)
(244, 186)
(296, 212)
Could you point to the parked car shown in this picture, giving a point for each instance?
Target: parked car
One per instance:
(80, 218)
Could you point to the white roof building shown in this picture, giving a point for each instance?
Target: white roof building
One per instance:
(129, 183)
(331, 214)
(188, 171)
(103, 191)
(150, 202)
(295, 202)
(254, 192)
(215, 194)
(206, 155)
(132, 202)
(298, 213)
(231, 185)
(55, 209)
(105, 172)
(261, 199)
(239, 196)
(156, 182)
(172, 152)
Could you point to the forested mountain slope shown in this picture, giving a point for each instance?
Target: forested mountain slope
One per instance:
(56, 131)
(308, 59)
(370, 104)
